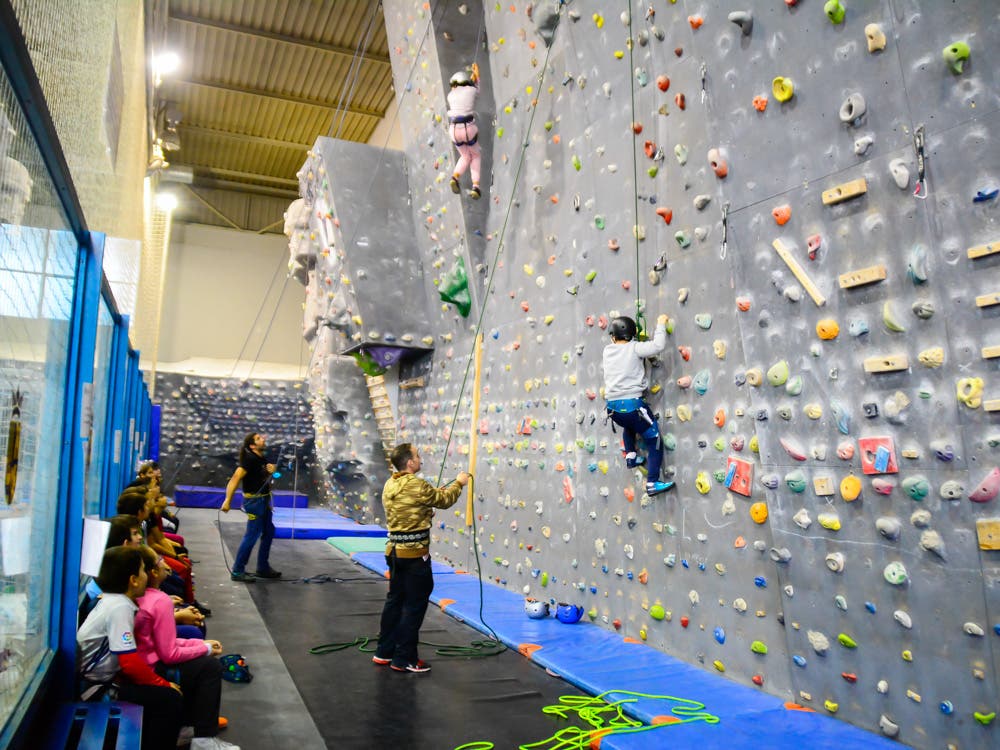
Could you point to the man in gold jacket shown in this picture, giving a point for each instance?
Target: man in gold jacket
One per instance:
(409, 503)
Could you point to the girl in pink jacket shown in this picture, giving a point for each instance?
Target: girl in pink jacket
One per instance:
(190, 662)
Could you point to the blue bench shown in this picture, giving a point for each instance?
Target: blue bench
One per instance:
(95, 726)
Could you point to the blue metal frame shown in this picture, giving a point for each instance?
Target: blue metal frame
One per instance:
(111, 473)
(72, 460)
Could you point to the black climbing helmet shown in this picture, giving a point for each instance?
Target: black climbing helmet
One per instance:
(622, 328)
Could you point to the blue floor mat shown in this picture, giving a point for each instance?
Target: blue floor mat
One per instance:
(191, 496)
(318, 523)
(598, 660)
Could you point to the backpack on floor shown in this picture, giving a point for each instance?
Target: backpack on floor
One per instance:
(234, 668)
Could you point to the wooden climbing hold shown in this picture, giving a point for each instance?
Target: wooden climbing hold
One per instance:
(793, 265)
(890, 363)
(861, 277)
(845, 191)
(981, 251)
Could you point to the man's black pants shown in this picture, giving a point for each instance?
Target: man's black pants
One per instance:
(410, 585)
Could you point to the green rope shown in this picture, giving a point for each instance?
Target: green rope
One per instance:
(640, 317)
(605, 717)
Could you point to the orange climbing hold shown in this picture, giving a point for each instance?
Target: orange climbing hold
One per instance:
(782, 214)
(743, 304)
(649, 148)
(720, 418)
(760, 103)
(758, 512)
(666, 214)
(680, 101)
(685, 352)
(629, 494)
(696, 21)
(662, 82)
(827, 329)
(525, 306)
(554, 198)
(637, 127)
(740, 543)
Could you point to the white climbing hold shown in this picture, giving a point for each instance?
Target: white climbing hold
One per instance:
(972, 628)
(900, 173)
(802, 519)
(819, 642)
(921, 518)
(931, 541)
(862, 144)
(903, 618)
(882, 686)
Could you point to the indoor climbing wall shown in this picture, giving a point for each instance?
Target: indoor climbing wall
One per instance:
(204, 421)
(809, 191)
(350, 461)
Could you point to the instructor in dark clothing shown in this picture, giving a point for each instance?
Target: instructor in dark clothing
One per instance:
(255, 473)
(409, 503)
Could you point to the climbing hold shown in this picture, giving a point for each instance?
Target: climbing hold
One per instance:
(921, 518)
(577, 164)
(720, 634)
(923, 309)
(835, 562)
(799, 660)
(760, 102)
(782, 214)
(955, 54)
(782, 88)
(951, 490)
(888, 727)
(662, 82)
(988, 488)
(665, 213)
(683, 238)
(984, 718)
(802, 519)
(853, 109)
(680, 101)
(759, 647)
(841, 601)
(946, 708)
(917, 269)
(829, 521)
(903, 618)
(850, 488)
(777, 374)
(834, 11)
(718, 164)
(796, 480)
(889, 319)
(702, 200)
(719, 348)
(917, 487)
(875, 37)
(793, 448)
(831, 706)
(970, 392)
(845, 450)
(758, 512)
(696, 21)
(827, 329)
(900, 173)
(846, 641)
(702, 381)
(931, 541)
(702, 483)
(933, 357)
(657, 612)
(895, 573)
(703, 320)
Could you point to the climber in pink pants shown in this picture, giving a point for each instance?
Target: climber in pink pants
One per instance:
(463, 130)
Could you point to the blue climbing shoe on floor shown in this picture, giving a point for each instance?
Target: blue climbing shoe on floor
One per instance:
(655, 488)
(634, 461)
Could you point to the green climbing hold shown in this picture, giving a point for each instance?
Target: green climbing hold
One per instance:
(653, 171)
(758, 647)
(549, 124)
(719, 475)
(367, 363)
(778, 373)
(917, 487)
(545, 579)
(590, 444)
(984, 718)
(834, 11)
(499, 132)
(683, 238)
(719, 445)
(454, 288)
(669, 441)
(890, 320)
(955, 54)
(796, 480)
(657, 612)
(670, 325)
(846, 641)
(599, 221)
(592, 613)
(576, 165)
(591, 275)
(703, 320)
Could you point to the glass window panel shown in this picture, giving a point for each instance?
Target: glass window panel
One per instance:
(37, 265)
(95, 454)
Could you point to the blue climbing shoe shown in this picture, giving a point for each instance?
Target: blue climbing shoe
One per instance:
(655, 488)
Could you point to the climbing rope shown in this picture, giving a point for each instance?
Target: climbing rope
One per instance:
(640, 318)
(353, 74)
(605, 717)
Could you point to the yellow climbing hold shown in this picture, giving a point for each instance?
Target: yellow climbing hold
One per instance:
(754, 445)
(719, 665)
(603, 466)
(850, 488)
(684, 412)
(782, 88)
(970, 392)
(814, 411)
(598, 20)
(702, 483)
(831, 706)
(933, 357)
(758, 512)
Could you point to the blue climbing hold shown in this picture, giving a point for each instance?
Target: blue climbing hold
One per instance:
(760, 582)
(701, 566)
(720, 635)
(800, 661)
(685, 563)
(870, 606)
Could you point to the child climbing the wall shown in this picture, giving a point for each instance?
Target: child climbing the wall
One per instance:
(463, 130)
(624, 383)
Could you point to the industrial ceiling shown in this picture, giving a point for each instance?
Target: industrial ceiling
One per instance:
(258, 81)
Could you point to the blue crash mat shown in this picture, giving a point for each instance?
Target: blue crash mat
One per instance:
(318, 523)
(376, 561)
(190, 496)
(598, 660)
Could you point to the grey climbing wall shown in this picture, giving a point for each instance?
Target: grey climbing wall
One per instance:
(659, 169)
(204, 421)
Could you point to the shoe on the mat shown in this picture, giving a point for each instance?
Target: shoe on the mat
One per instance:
(655, 488)
(634, 461)
(380, 661)
(243, 578)
(268, 573)
(474, 193)
(212, 743)
(185, 736)
(454, 186)
(420, 667)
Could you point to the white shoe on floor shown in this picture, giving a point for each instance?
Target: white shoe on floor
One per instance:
(212, 743)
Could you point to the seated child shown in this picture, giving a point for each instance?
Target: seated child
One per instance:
(624, 383)
(108, 662)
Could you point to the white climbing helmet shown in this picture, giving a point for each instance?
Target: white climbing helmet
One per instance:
(461, 78)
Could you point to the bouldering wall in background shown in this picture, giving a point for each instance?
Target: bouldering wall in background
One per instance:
(809, 191)
(204, 421)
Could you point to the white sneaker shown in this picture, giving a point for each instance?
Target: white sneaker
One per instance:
(212, 743)
(185, 736)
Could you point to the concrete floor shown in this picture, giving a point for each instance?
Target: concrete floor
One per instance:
(269, 712)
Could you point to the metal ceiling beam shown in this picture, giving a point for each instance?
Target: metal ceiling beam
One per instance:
(237, 175)
(242, 137)
(273, 36)
(232, 186)
(280, 97)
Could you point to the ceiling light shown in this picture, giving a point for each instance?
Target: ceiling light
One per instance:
(166, 63)
(166, 201)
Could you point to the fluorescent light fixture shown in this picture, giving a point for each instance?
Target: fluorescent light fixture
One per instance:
(166, 201)
(166, 63)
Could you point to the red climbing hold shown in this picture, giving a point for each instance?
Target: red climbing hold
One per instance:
(684, 621)
(680, 101)
(649, 149)
(637, 127)
(696, 21)
(757, 679)
(667, 214)
(662, 82)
